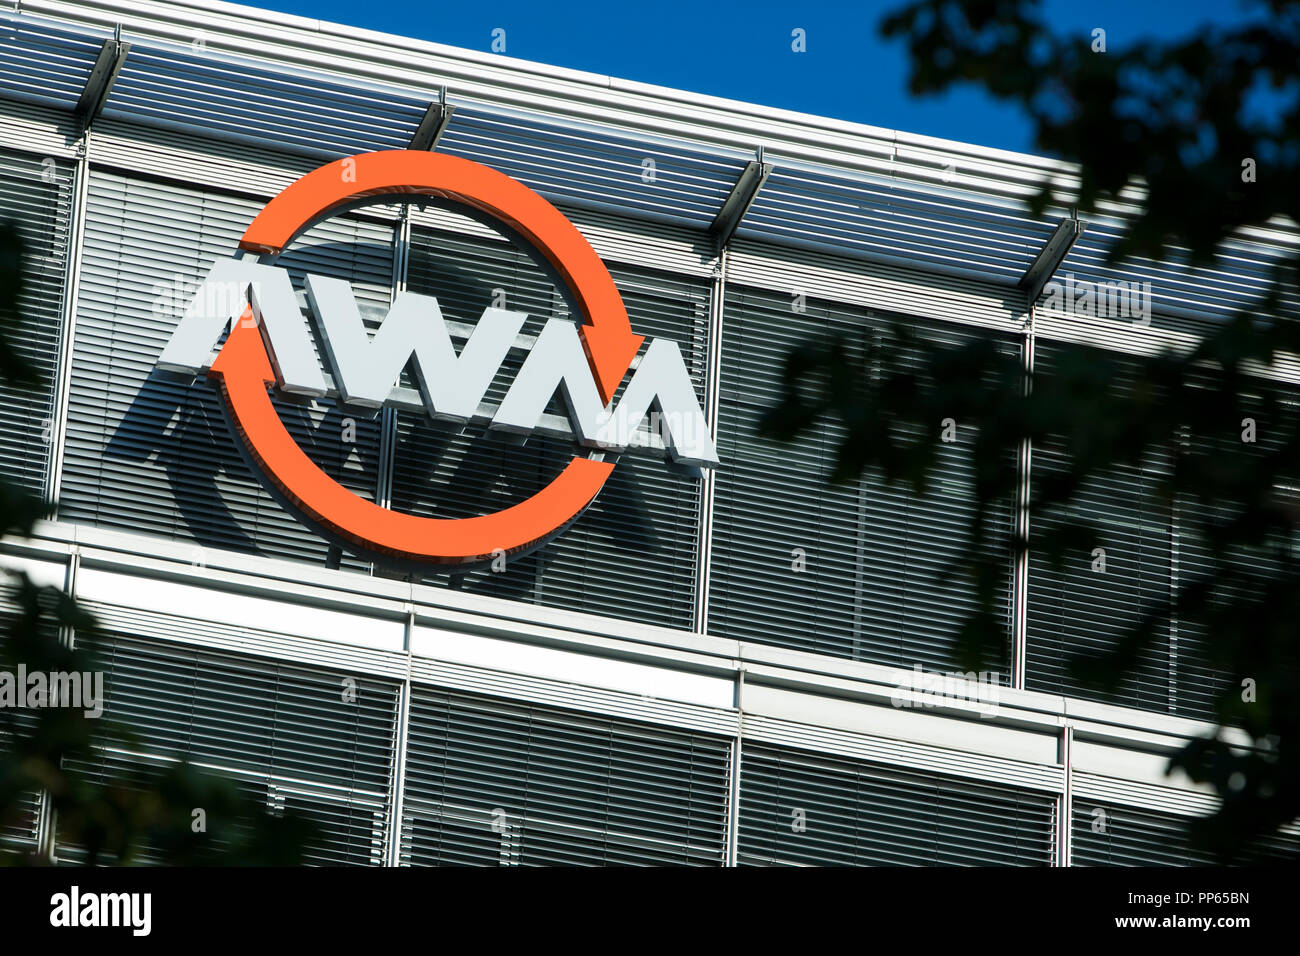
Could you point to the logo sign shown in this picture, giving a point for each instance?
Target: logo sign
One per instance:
(270, 344)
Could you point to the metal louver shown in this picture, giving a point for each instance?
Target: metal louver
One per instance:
(852, 570)
(633, 553)
(896, 217)
(1182, 296)
(233, 97)
(320, 742)
(489, 782)
(656, 180)
(149, 453)
(802, 809)
(45, 62)
(35, 196)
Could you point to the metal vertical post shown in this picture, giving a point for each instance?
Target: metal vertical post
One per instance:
(1020, 596)
(712, 386)
(47, 819)
(733, 802)
(71, 284)
(397, 787)
(388, 416)
(732, 841)
(1181, 444)
(1034, 280)
(1065, 803)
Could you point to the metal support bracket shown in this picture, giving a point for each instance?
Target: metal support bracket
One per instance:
(433, 124)
(742, 196)
(1051, 256)
(102, 77)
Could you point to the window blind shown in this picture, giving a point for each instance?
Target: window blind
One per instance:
(805, 810)
(317, 741)
(853, 570)
(1118, 835)
(150, 454)
(633, 553)
(490, 782)
(1152, 546)
(18, 829)
(35, 197)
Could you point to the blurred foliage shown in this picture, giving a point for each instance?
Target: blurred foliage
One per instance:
(1168, 125)
(144, 813)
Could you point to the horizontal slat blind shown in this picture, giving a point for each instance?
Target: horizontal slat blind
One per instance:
(489, 782)
(1078, 611)
(871, 586)
(18, 829)
(150, 454)
(317, 741)
(195, 158)
(1202, 674)
(1083, 610)
(633, 553)
(35, 196)
(857, 281)
(1119, 835)
(800, 809)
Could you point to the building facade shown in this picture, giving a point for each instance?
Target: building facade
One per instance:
(719, 667)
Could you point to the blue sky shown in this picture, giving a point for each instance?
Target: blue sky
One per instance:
(743, 50)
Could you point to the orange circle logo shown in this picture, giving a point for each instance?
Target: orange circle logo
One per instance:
(243, 369)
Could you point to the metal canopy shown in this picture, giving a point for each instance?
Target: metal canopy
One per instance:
(891, 219)
(45, 62)
(231, 98)
(244, 99)
(600, 168)
(867, 199)
(1237, 278)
